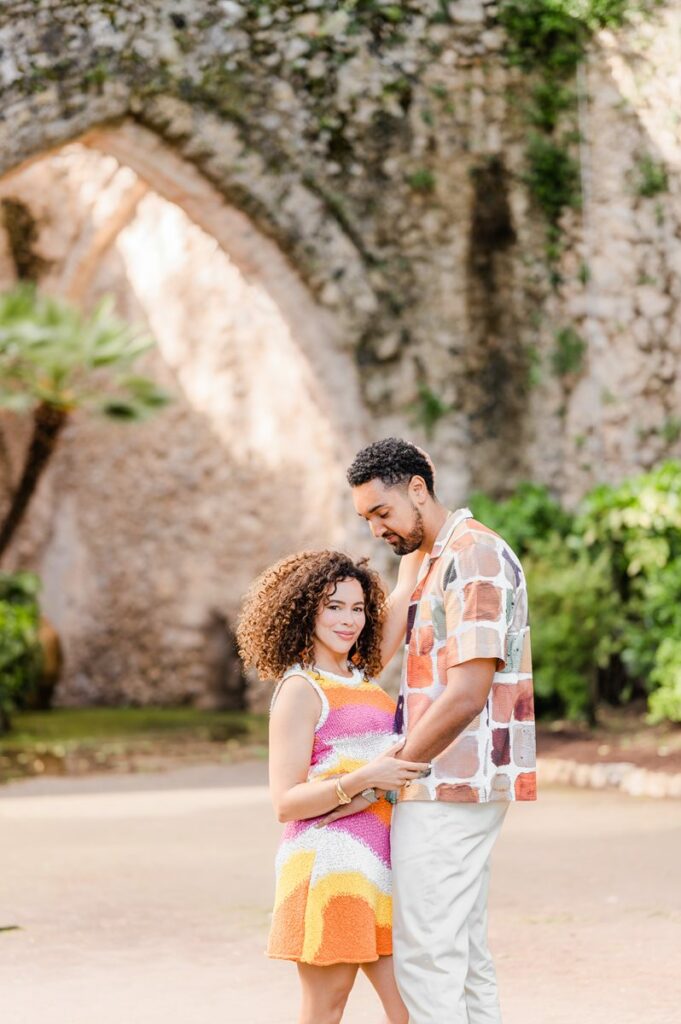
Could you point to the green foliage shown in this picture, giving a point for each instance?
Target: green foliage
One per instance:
(549, 101)
(543, 34)
(576, 620)
(552, 34)
(638, 527)
(533, 364)
(651, 177)
(638, 523)
(552, 177)
(665, 701)
(421, 180)
(52, 353)
(549, 38)
(568, 353)
(605, 590)
(429, 409)
(671, 429)
(529, 516)
(20, 652)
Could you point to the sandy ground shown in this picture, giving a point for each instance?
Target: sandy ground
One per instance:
(144, 899)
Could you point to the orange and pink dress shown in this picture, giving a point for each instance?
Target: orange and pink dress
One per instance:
(333, 900)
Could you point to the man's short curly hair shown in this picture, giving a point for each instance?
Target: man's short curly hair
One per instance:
(392, 461)
(276, 625)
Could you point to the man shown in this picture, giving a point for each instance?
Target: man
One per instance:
(466, 705)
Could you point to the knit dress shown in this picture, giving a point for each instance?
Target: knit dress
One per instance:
(333, 893)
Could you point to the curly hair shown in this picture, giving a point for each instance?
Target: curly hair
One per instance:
(392, 461)
(276, 625)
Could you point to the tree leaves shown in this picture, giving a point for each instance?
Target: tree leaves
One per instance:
(53, 353)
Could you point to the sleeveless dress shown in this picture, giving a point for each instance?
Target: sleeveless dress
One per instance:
(333, 899)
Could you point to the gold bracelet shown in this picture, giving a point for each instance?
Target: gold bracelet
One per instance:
(343, 797)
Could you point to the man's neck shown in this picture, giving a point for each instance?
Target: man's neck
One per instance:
(432, 524)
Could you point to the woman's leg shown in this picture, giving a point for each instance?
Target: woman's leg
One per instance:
(325, 992)
(382, 976)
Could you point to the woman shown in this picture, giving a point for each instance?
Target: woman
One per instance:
(320, 623)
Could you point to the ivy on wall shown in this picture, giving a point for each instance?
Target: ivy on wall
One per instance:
(548, 39)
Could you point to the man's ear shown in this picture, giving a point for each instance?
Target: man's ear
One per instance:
(418, 491)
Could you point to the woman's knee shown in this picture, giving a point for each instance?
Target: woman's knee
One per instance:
(331, 1012)
(326, 1006)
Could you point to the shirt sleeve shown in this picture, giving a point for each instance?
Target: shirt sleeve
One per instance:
(477, 597)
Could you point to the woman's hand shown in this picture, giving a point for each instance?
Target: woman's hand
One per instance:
(388, 772)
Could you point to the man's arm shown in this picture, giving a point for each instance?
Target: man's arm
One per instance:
(464, 698)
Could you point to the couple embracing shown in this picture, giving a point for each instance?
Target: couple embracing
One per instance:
(391, 811)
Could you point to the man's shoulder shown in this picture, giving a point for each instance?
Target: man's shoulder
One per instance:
(470, 532)
(472, 542)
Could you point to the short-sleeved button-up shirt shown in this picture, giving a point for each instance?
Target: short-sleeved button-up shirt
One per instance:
(470, 602)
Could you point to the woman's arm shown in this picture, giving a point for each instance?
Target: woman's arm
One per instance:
(395, 623)
(292, 725)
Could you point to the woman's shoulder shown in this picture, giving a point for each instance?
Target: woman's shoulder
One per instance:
(300, 688)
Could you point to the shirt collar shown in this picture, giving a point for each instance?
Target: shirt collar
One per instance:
(448, 527)
(442, 539)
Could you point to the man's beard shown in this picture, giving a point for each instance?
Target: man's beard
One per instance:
(413, 540)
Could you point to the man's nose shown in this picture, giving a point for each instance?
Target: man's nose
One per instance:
(378, 529)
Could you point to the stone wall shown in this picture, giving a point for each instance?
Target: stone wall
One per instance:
(364, 168)
(146, 535)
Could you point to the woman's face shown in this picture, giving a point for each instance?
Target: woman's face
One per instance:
(341, 616)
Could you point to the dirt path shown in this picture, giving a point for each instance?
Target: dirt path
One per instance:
(145, 900)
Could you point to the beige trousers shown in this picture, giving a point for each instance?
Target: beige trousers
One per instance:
(441, 865)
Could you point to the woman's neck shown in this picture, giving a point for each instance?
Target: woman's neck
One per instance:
(331, 661)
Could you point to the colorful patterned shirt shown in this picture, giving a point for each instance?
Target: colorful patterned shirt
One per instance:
(470, 602)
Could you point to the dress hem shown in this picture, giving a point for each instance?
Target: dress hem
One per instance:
(325, 963)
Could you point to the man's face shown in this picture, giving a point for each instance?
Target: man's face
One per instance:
(391, 514)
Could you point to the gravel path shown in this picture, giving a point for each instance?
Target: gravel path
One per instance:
(144, 899)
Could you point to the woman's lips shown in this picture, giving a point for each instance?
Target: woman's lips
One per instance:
(345, 636)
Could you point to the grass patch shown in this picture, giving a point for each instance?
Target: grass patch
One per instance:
(89, 726)
(85, 740)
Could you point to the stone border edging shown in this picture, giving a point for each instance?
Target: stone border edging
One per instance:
(622, 775)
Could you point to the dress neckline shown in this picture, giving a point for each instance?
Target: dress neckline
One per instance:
(356, 676)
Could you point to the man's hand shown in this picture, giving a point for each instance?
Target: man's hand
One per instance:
(357, 804)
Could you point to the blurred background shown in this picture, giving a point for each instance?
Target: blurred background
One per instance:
(238, 241)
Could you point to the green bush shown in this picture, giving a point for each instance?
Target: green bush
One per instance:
(20, 653)
(528, 516)
(576, 618)
(665, 701)
(638, 527)
(605, 591)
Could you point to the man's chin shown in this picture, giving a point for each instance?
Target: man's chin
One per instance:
(400, 547)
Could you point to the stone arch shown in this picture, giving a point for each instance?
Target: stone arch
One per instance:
(318, 333)
(324, 335)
